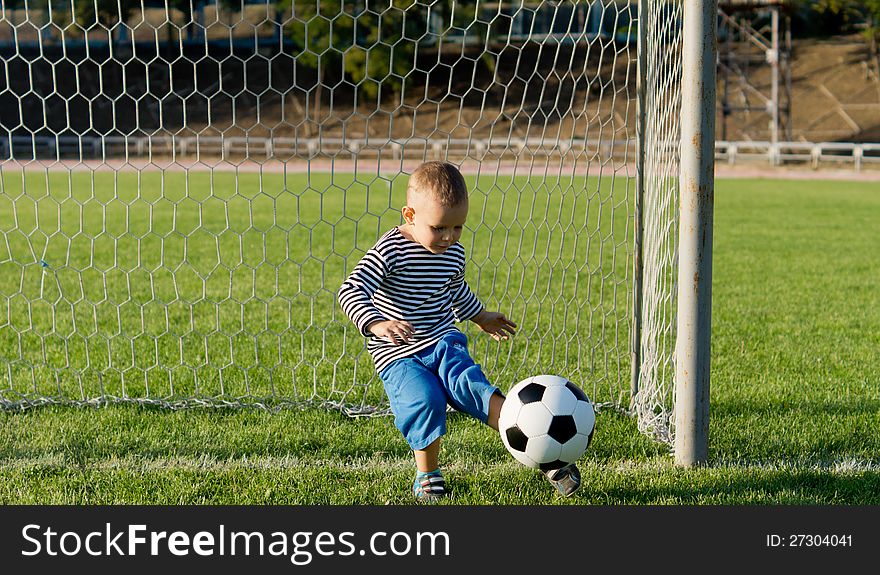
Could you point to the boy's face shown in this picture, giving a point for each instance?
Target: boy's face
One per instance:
(436, 227)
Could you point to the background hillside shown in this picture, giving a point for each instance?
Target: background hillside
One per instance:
(835, 95)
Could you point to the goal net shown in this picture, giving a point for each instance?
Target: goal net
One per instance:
(185, 185)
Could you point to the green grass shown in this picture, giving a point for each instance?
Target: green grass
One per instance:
(795, 395)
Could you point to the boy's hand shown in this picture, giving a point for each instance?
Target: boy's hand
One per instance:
(392, 330)
(495, 324)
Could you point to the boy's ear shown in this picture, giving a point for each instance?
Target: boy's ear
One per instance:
(408, 214)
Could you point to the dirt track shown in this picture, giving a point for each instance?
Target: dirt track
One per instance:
(722, 170)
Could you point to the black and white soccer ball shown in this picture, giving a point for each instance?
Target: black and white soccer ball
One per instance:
(546, 422)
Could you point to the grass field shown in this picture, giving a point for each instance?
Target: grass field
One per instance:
(795, 395)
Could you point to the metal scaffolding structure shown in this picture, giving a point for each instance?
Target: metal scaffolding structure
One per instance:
(753, 35)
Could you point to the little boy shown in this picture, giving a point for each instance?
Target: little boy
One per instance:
(405, 296)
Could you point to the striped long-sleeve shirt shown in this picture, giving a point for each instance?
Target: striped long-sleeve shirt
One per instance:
(399, 279)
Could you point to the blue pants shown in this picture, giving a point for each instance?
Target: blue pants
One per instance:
(420, 386)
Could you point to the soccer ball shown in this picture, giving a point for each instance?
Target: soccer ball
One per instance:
(546, 422)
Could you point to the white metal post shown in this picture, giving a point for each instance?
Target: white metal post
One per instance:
(773, 58)
(697, 167)
(641, 89)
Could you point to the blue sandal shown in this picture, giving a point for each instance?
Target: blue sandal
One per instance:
(429, 486)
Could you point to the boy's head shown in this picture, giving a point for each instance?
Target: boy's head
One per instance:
(436, 206)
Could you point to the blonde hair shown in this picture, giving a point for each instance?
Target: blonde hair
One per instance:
(441, 181)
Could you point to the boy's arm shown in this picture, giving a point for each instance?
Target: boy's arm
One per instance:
(495, 324)
(357, 290)
(466, 306)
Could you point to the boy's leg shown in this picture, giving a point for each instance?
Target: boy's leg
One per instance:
(471, 392)
(428, 459)
(466, 385)
(419, 406)
(417, 400)
(429, 484)
(495, 404)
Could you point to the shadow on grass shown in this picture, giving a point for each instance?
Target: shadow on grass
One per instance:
(779, 407)
(752, 487)
(83, 434)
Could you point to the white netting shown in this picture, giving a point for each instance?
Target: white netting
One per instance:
(661, 58)
(186, 185)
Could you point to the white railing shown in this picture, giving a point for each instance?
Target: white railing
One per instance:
(816, 155)
(286, 149)
(813, 154)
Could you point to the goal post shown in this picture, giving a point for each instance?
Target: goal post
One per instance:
(673, 232)
(696, 211)
(185, 185)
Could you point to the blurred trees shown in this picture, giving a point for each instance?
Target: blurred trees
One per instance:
(830, 17)
(369, 45)
(84, 13)
(844, 16)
